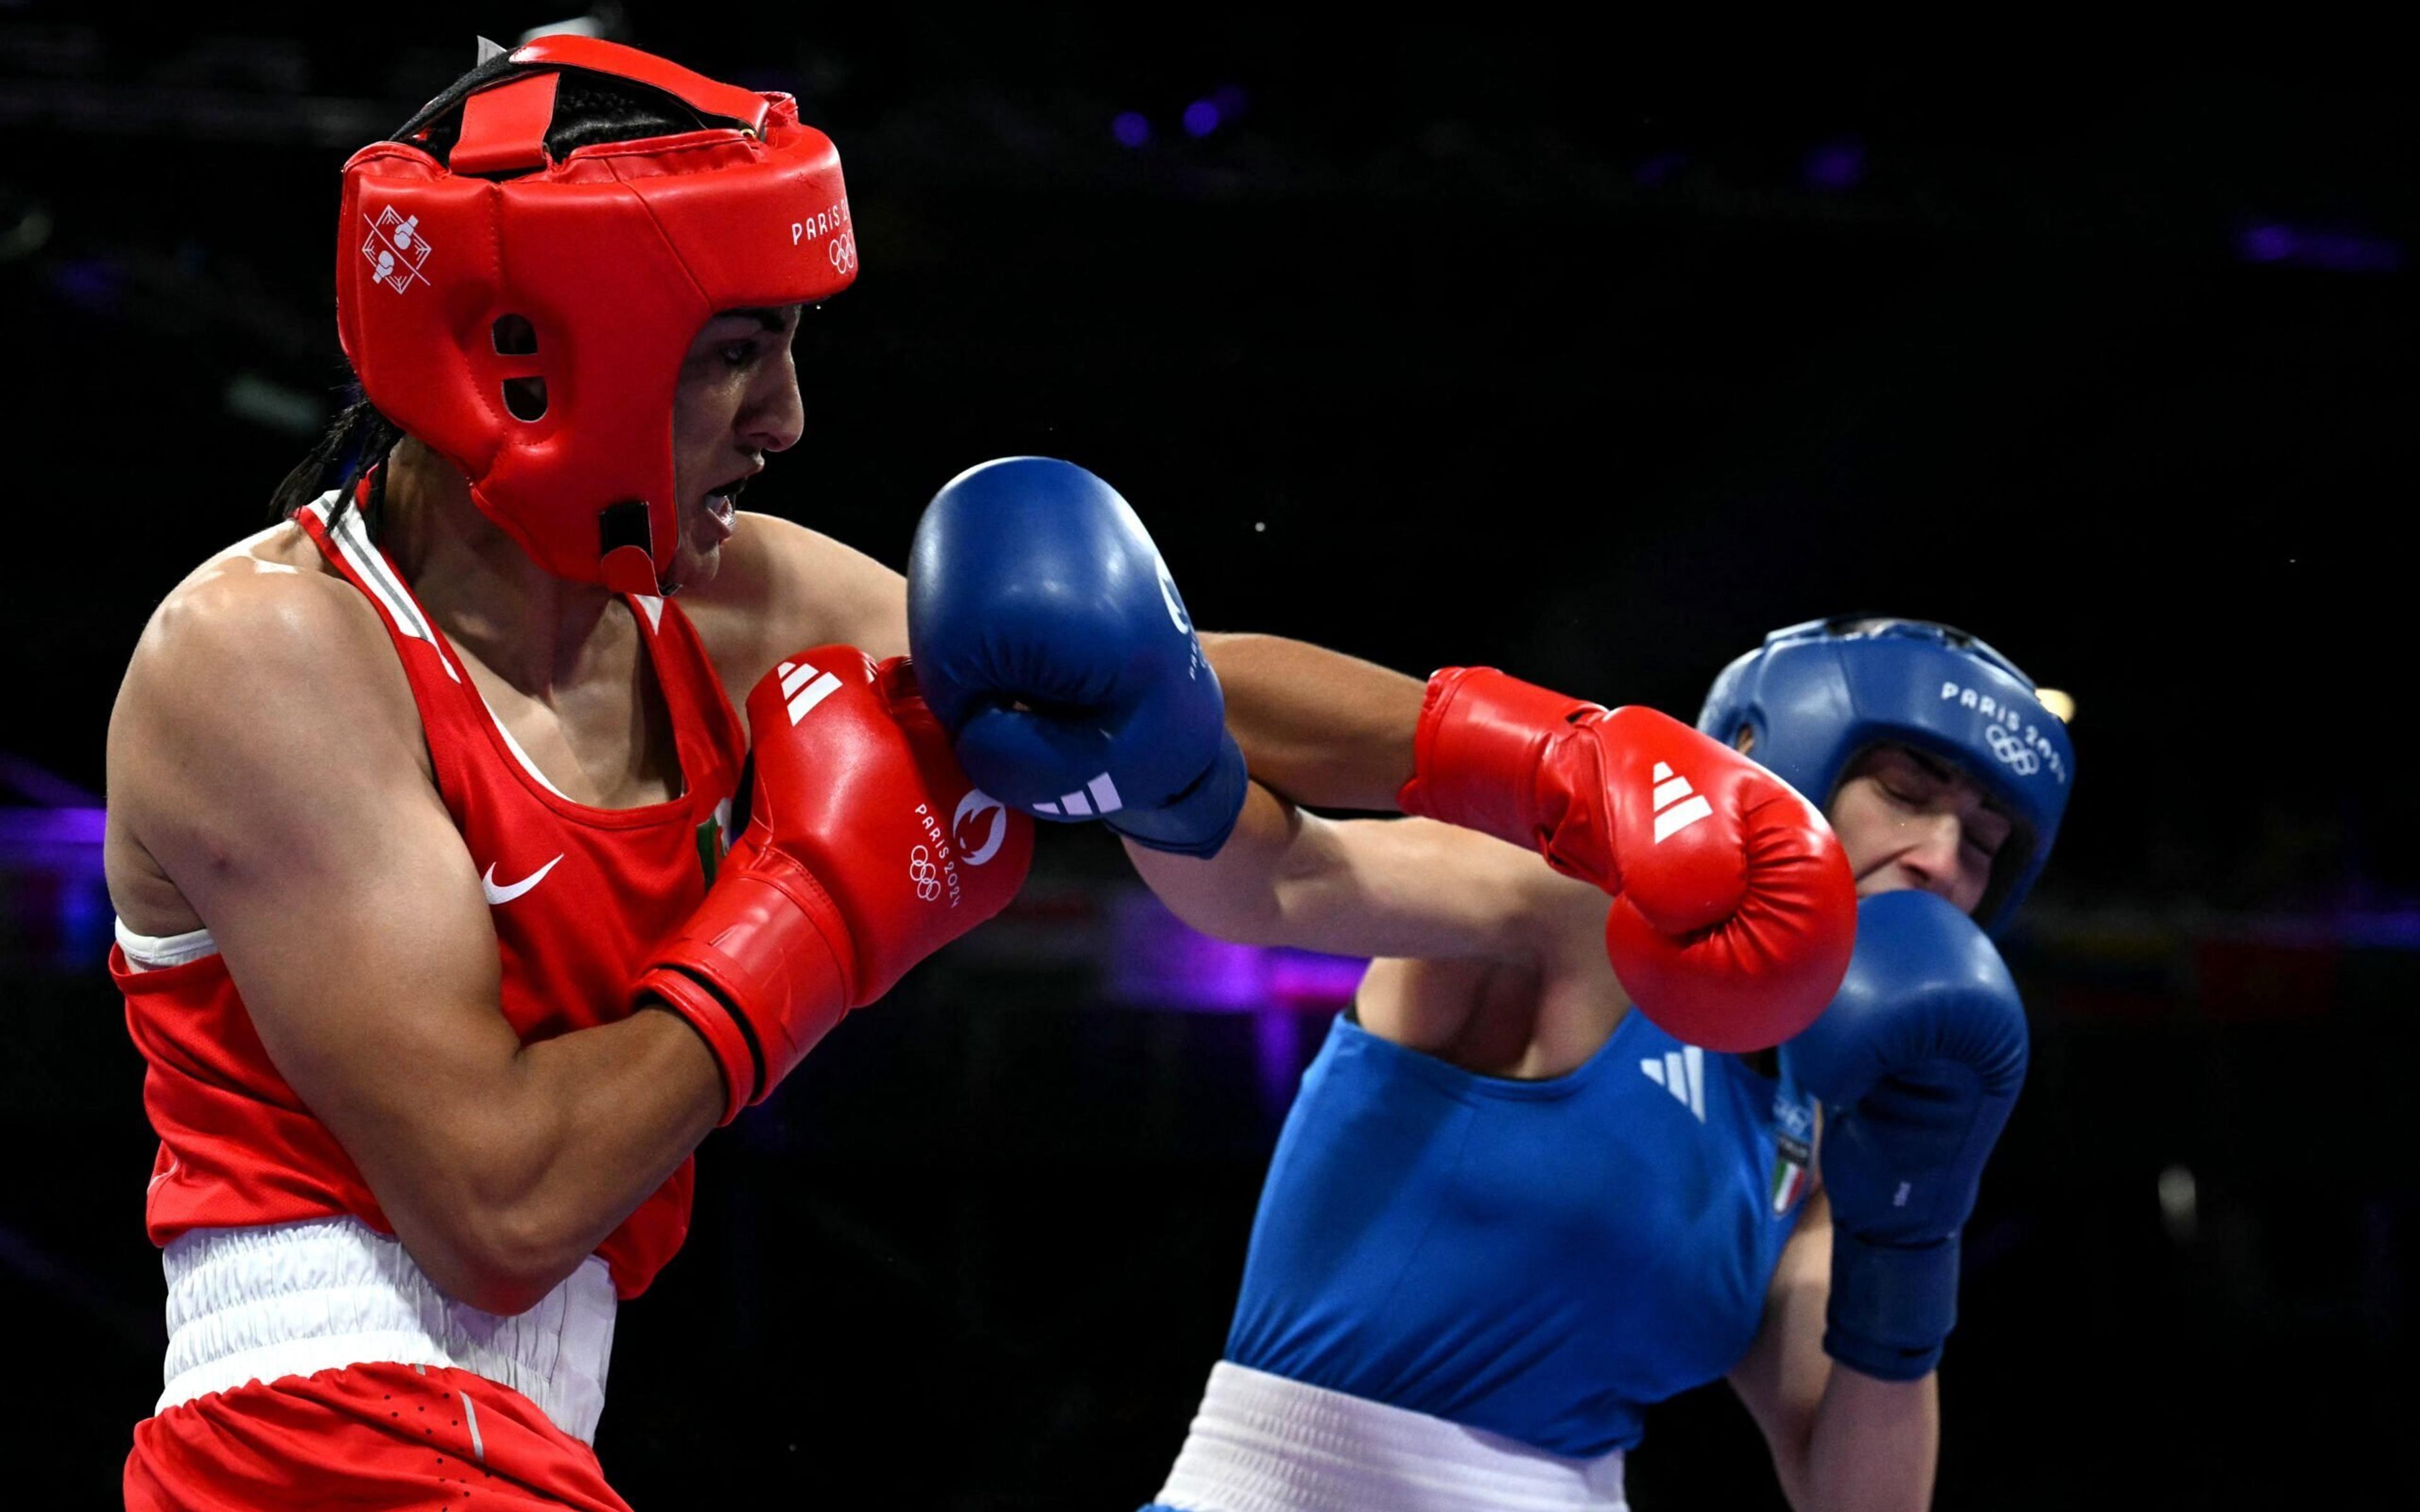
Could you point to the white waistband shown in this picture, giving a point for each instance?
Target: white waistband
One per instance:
(157, 952)
(290, 1299)
(1264, 1444)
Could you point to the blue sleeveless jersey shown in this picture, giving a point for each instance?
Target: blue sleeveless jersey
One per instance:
(1540, 1260)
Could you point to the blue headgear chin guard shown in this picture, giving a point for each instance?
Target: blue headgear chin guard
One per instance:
(1818, 694)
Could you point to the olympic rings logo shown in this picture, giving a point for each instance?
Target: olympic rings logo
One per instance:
(2010, 749)
(842, 250)
(921, 872)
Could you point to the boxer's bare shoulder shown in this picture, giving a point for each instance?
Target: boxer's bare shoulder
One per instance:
(268, 577)
(1541, 1013)
(262, 616)
(261, 660)
(781, 586)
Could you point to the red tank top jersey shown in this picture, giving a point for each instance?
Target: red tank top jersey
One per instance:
(577, 895)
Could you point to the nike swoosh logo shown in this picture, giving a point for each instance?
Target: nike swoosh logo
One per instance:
(498, 896)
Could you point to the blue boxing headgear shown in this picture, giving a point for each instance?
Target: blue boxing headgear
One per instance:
(1818, 694)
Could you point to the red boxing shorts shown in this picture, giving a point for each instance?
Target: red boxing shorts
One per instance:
(367, 1436)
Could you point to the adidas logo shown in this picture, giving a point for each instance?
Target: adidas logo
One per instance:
(1677, 805)
(1681, 1072)
(1072, 805)
(805, 687)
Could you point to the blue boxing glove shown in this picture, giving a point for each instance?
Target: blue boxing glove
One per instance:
(1049, 641)
(1917, 1062)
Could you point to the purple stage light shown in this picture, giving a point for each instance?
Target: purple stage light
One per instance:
(24, 827)
(2344, 252)
(2395, 929)
(1230, 101)
(1200, 118)
(1156, 961)
(1130, 129)
(1836, 165)
(1277, 1057)
(2332, 251)
(92, 283)
(1216, 975)
(1317, 982)
(1656, 169)
(55, 910)
(2266, 243)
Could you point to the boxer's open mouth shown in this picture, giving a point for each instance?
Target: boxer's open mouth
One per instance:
(723, 504)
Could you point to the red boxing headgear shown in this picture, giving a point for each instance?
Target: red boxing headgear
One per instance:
(616, 256)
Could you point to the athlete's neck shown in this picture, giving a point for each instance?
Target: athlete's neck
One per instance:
(522, 622)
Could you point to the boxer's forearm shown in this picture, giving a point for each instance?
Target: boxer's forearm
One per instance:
(565, 1142)
(1324, 729)
(1370, 888)
(1234, 895)
(1874, 1444)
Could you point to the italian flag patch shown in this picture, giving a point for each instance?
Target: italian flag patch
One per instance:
(1790, 1172)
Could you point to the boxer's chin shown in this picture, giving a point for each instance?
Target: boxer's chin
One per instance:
(699, 555)
(692, 568)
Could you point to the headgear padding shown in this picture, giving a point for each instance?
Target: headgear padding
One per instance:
(616, 256)
(1819, 694)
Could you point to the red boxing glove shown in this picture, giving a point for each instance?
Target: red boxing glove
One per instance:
(865, 851)
(1734, 911)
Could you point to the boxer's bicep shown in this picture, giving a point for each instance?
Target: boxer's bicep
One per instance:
(287, 801)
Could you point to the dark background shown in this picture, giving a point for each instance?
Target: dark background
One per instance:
(1587, 352)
